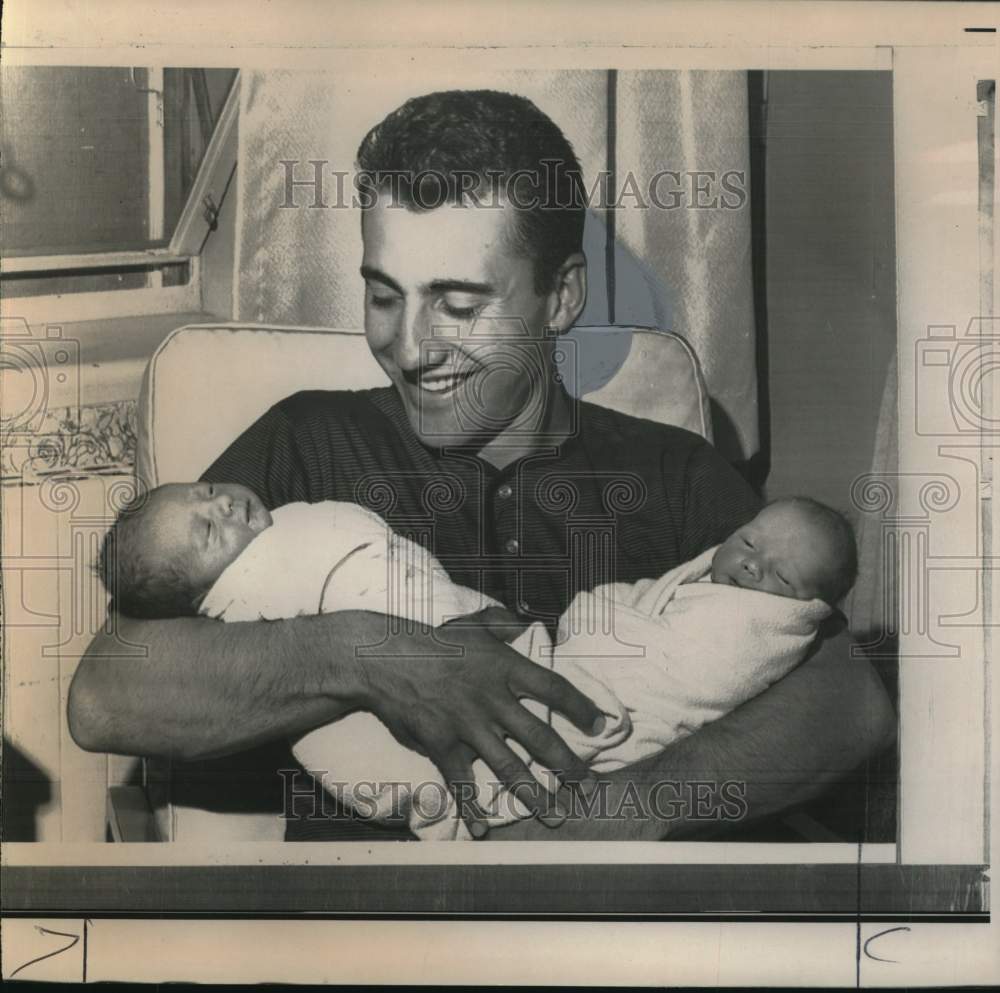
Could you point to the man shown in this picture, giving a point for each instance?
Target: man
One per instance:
(473, 267)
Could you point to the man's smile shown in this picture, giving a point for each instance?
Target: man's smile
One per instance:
(442, 383)
(442, 379)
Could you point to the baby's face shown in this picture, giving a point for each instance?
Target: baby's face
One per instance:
(205, 526)
(780, 551)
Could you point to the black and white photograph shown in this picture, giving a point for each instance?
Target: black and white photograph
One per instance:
(462, 484)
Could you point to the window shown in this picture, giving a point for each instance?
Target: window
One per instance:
(68, 137)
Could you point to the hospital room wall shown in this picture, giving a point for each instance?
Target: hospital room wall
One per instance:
(829, 276)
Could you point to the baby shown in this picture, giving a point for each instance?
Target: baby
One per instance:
(660, 657)
(169, 546)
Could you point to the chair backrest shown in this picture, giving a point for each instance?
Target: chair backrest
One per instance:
(207, 383)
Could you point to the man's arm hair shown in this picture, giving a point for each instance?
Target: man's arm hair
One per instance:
(204, 688)
(784, 747)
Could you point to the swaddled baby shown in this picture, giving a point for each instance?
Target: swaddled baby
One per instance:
(660, 657)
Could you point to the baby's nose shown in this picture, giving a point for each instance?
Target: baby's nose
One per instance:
(752, 567)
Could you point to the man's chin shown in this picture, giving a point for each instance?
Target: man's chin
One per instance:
(461, 418)
(448, 431)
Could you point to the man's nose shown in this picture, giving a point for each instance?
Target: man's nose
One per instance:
(412, 348)
(224, 504)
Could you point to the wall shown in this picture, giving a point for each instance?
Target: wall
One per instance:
(830, 275)
(65, 469)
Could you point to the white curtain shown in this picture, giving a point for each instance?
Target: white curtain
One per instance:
(685, 269)
(299, 265)
(697, 259)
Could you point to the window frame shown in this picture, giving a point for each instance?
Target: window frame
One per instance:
(193, 227)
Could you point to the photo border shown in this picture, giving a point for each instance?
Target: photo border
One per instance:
(857, 39)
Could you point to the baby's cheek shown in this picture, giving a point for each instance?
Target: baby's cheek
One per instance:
(240, 544)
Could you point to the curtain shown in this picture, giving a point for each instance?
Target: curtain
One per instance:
(299, 265)
(691, 129)
(683, 267)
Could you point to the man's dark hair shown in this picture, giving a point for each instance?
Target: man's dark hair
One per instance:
(432, 147)
(844, 572)
(140, 586)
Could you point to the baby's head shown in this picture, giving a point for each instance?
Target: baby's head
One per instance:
(796, 548)
(167, 548)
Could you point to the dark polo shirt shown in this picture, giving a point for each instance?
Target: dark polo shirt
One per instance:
(621, 499)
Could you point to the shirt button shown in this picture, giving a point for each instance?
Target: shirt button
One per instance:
(505, 491)
(512, 545)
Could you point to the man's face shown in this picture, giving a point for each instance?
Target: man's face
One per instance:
(453, 318)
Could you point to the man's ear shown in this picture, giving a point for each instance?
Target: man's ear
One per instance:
(568, 296)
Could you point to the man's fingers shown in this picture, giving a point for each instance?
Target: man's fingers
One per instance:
(500, 622)
(546, 746)
(514, 774)
(558, 693)
(462, 784)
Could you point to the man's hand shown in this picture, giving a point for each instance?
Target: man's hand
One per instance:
(463, 705)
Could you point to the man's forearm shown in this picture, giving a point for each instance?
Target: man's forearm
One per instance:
(779, 749)
(204, 688)
(842, 716)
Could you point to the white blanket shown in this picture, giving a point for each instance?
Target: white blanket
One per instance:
(659, 657)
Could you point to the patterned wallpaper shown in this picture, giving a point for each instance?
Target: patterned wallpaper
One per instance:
(71, 441)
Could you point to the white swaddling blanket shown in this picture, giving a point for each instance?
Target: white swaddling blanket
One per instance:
(659, 657)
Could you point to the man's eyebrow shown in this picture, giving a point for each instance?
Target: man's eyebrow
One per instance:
(368, 272)
(435, 286)
(461, 286)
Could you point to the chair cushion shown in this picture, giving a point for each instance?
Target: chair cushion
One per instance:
(207, 383)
